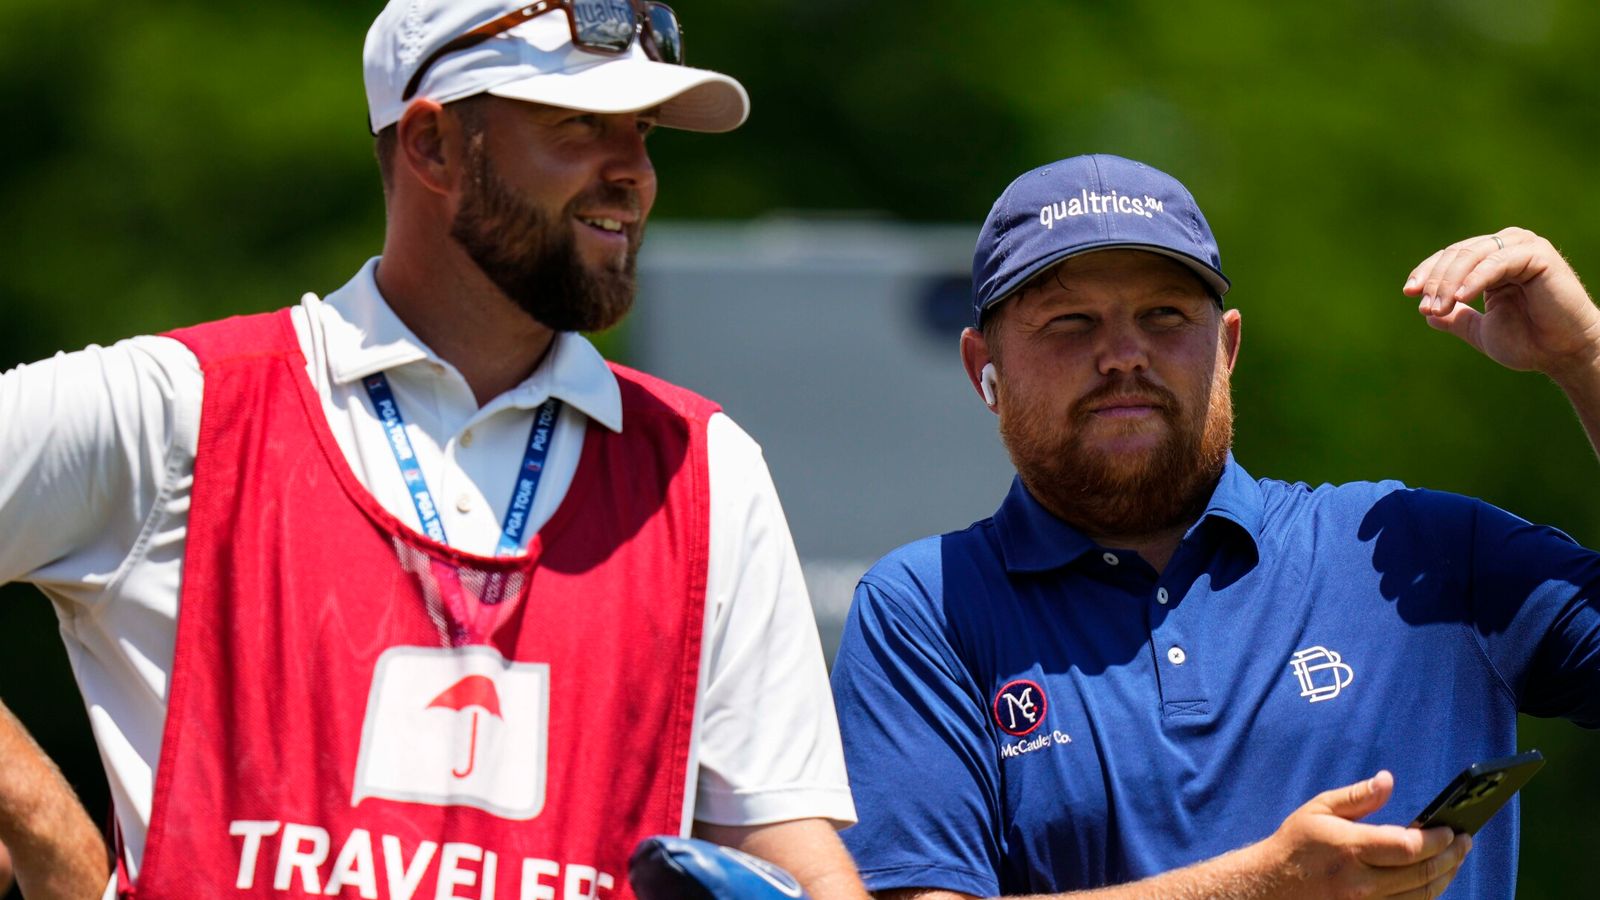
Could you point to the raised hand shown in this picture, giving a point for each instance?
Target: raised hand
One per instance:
(1536, 315)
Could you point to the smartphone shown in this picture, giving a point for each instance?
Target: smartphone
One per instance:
(1478, 793)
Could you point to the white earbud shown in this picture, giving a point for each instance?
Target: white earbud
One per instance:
(988, 380)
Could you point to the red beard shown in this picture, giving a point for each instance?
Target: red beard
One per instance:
(1123, 495)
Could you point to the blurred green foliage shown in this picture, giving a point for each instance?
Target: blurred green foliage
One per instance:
(177, 161)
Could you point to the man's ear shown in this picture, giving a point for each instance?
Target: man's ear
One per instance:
(429, 146)
(978, 362)
(1231, 334)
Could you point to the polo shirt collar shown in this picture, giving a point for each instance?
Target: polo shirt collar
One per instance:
(364, 336)
(1237, 499)
(1032, 539)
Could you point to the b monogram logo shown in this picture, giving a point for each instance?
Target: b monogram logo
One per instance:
(1322, 673)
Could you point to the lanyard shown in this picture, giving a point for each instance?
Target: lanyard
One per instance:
(528, 474)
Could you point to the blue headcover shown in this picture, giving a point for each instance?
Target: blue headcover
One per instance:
(674, 868)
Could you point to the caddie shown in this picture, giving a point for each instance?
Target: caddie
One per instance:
(1153, 673)
(405, 591)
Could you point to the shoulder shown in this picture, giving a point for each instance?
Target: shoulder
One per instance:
(141, 375)
(239, 336)
(647, 395)
(928, 578)
(1379, 523)
(1369, 505)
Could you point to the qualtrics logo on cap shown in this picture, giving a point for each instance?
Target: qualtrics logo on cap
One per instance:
(1094, 203)
(456, 727)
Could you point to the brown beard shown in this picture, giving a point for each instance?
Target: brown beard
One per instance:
(534, 260)
(1105, 496)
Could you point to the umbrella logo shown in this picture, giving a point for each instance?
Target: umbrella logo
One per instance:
(477, 693)
(428, 736)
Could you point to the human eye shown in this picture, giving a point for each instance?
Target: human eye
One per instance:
(1165, 317)
(582, 121)
(646, 125)
(1070, 322)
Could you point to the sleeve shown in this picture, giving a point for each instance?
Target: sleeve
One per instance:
(769, 741)
(87, 438)
(923, 773)
(1534, 595)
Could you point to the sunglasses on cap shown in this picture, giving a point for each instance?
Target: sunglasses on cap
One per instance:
(606, 27)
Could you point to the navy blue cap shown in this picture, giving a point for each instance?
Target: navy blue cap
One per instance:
(1083, 204)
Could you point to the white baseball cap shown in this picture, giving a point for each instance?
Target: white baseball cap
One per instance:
(535, 61)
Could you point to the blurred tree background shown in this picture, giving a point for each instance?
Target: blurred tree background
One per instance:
(178, 161)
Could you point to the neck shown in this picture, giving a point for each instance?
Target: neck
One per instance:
(1155, 548)
(465, 320)
(1155, 543)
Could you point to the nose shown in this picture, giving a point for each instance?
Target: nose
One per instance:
(628, 160)
(1122, 349)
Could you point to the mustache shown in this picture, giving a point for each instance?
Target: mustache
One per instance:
(1131, 389)
(609, 196)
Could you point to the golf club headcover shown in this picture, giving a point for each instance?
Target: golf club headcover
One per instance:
(674, 868)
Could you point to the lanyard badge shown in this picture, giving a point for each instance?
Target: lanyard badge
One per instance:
(529, 472)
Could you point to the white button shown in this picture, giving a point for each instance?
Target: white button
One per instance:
(464, 504)
(1111, 559)
(1161, 596)
(1176, 656)
(466, 438)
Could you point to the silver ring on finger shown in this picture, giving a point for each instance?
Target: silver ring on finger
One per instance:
(1499, 244)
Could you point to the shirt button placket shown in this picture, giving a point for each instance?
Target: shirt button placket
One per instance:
(1180, 675)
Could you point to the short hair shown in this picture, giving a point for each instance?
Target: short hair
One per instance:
(387, 142)
(384, 147)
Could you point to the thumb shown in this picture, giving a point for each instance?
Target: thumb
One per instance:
(1360, 799)
(1462, 321)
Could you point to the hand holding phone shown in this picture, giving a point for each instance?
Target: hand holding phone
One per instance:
(1478, 792)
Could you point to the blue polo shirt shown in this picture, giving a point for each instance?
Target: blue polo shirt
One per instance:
(1025, 711)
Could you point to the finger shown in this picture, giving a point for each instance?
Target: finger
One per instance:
(1356, 800)
(1439, 286)
(1514, 265)
(1413, 285)
(1428, 891)
(1428, 878)
(1394, 846)
(1462, 321)
(1434, 275)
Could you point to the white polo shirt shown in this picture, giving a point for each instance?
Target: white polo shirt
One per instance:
(94, 507)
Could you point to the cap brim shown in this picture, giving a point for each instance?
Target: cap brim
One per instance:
(691, 99)
(1213, 279)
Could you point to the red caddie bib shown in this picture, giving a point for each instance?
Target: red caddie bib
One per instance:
(358, 711)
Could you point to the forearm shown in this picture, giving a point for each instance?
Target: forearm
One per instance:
(808, 848)
(1244, 874)
(56, 851)
(1581, 383)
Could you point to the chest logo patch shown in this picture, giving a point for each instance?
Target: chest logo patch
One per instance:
(456, 727)
(1323, 673)
(1019, 707)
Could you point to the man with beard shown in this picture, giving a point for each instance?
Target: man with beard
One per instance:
(465, 609)
(1152, 672)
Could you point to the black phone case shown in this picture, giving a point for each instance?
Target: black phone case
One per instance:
(1478, 793)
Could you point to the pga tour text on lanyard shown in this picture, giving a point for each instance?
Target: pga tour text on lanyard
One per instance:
(528, 474)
